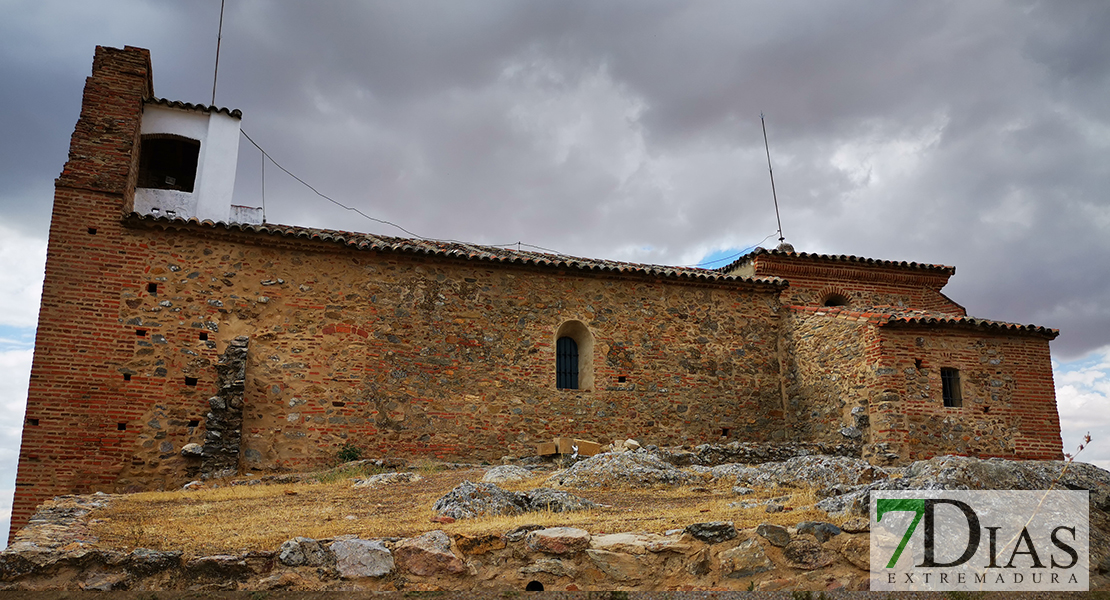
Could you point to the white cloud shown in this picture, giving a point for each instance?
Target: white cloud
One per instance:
(15, 371)
(1083, 399)
(24, 260)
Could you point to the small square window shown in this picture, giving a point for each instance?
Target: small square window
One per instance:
(92, 230)
(152, 288)
(127, 377)
(194, 423)
(121, 426)
(950, 387)
(140, 332)
(204, 336)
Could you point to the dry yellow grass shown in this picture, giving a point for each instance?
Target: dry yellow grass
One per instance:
(240, 518)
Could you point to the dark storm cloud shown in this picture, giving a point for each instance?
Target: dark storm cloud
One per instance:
(973, 134)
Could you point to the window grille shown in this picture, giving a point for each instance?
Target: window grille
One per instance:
(566, 364)
(950, 387)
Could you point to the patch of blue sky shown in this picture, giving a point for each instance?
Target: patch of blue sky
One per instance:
(722, 258)
(16, 338)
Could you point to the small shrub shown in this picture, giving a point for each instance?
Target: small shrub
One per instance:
(349, 452)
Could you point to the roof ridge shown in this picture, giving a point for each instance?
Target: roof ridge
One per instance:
(466, 250)
(850, 258)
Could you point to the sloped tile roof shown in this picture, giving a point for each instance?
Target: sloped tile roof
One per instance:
(887, 316)
(462, 250)
(842, 258)
(236, 113)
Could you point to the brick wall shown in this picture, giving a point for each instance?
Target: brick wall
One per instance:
(72, 439)
(864, 285)
(1009, 406)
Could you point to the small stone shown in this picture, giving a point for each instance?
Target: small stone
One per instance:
(443, 519)
(713, 532)
(742, 491)
(356, 558)
(631, 444)
(819, 529)
(558, 540)
(851, 433)
(429, 554)
(773, 508)
(104, 582)
(776, 534)
(192, 450)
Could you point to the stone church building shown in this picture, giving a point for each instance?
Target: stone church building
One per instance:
(173, 320)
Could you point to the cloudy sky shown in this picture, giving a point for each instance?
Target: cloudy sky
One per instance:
(974, 134)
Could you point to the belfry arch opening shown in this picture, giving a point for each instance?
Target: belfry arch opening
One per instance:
(574, 349)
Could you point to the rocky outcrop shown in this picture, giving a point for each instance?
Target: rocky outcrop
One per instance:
(57, 551)
(469, 500)
(641, 468)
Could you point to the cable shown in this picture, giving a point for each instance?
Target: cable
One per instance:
(734, 256)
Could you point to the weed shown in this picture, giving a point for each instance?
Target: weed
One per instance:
(348, 453)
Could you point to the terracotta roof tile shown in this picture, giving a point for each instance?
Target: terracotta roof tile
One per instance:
(844, 258)
(238, 114)
(892, 316)
(466, 251)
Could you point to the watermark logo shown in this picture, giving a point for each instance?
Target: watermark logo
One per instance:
(938, 540)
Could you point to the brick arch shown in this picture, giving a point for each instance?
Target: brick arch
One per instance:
(832, 295)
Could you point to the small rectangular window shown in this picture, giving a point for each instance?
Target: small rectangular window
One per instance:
(191, 381)
(194, 423)
(33, 422)
(950, 387)
(152, 288)
(127, 377)
(92, 230)
(140, 332)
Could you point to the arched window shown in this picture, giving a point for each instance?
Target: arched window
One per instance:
(168, 162)
(574, 348)
(566, 363)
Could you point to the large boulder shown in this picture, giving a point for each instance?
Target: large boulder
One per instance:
(808, 471)
(637, 469)
(356, 558)
(469, 500)
(429, 554)
(547, 499)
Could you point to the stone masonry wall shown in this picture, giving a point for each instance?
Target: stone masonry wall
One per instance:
(829, 381)
(451, 358)
(1008, 399)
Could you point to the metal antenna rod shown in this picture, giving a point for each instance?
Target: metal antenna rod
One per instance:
(219, 37)
(767, 147)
